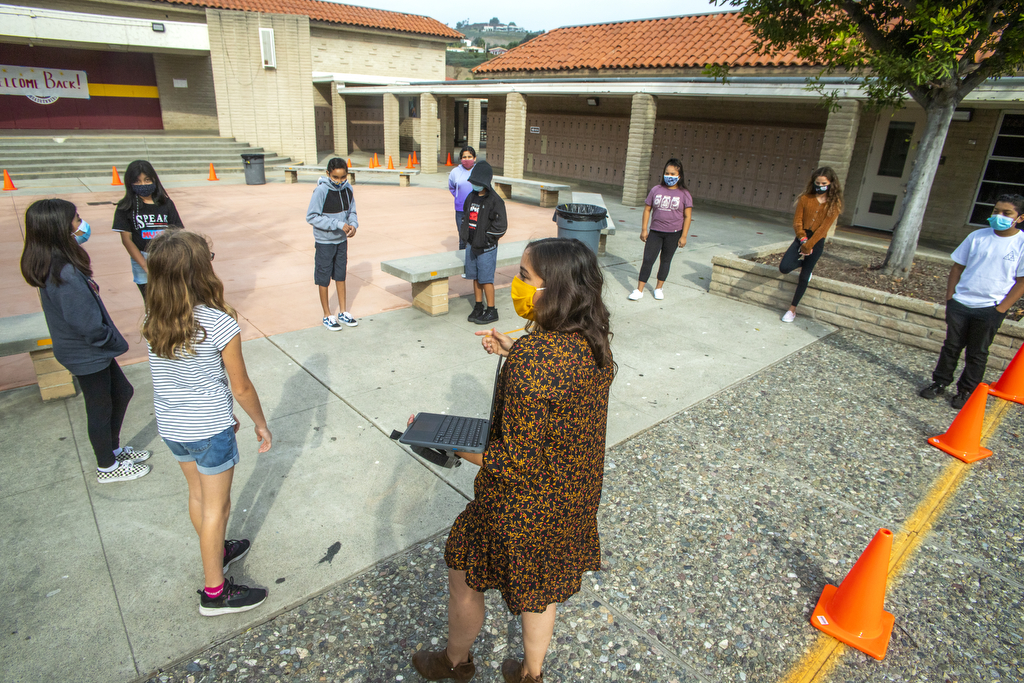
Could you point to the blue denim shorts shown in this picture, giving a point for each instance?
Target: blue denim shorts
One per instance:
(481, 266)
(139, 276)
(212, 455)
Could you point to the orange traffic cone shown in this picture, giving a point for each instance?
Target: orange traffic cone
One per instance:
(391, 164)
(350, 163)
(8, 183)
(963, 438)
(116, 180)
(853, 613)
(449, 162)
(409, 165)
(415, 158)
(376, 162)
(1009, 386)
(213, 174)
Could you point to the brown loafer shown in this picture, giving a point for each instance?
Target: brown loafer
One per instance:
(436, 666)
(513, 672)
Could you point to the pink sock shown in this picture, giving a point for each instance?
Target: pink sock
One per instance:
(214, 592)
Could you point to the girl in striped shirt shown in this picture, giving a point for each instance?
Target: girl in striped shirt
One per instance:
(195, 355)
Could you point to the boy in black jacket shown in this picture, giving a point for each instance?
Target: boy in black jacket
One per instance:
(484, 221)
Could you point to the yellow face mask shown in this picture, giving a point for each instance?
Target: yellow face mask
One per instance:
(522, 298)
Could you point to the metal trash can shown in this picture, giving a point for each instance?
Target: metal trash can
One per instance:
(583, 222)
(254, 171)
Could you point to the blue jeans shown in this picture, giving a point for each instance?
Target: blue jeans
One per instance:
(480, 267)
(212, 455)
(458, 225)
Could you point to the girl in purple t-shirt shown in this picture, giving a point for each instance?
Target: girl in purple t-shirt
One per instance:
(668, 207)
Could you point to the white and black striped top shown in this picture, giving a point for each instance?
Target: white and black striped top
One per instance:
(190, 393)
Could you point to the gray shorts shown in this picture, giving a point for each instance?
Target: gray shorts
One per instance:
(330, 263)
(481, 267)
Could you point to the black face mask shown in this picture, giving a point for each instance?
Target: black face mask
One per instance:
(821, 189)
(144, 190)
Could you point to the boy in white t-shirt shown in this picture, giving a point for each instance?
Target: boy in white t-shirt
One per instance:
(986, 279)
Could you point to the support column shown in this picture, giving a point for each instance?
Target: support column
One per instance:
(446, 117)
(473, 137)
(515, 135)
(428, 133)
(339, 111)
(391, 121)
(642, 118)
(838, 142)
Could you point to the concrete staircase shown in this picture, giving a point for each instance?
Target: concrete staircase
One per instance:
(75, 155)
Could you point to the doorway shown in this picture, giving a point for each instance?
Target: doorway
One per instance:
(891, 158)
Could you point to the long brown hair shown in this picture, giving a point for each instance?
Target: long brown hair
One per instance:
(834, 196)
(180, 278)
(572, 294)
(49, 245)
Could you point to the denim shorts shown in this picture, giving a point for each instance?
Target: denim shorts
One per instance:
(139, 276)
(329, 263)
(480, 267)
(212, 455)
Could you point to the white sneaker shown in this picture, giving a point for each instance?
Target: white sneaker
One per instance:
(659, 295)
(636, 295)
(788, 317)
(347, 319)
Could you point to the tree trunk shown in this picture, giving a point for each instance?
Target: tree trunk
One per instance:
(900, 257)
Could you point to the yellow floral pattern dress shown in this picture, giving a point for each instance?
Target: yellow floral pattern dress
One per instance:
(531, 530)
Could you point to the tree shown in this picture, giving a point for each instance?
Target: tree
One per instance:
(494, 21)
(480, 42)
(935, 51)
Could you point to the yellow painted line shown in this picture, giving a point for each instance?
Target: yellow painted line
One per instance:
(818, 662)
(44, 342)
(115, 90)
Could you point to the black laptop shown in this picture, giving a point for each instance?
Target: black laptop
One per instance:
(452, 432)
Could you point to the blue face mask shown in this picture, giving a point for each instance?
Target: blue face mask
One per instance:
(670, 180)
(477, 188)
(1000, 222)
(144, 190)
(86, 231)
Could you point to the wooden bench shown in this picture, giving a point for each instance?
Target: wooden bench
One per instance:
(429, 274)
(29, 334)
(548, 191)
(291, 173)
(596, 199)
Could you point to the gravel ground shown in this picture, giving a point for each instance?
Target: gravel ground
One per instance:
(719, 528)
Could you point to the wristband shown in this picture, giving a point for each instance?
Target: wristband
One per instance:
(802, 240)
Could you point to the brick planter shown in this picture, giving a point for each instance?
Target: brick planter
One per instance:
(899, 318)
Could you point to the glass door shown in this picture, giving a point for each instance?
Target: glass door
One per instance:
(890, 161)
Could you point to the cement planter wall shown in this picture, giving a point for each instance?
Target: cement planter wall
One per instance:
(890, 316)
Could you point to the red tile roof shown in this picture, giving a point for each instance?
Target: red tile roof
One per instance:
(690, 41)
(335, 13)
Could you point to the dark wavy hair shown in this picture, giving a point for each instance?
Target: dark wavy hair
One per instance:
(834, 196)
(572, 294)
(682, 179)
(49, 245)
(469, 149)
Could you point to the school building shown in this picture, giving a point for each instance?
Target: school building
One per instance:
(610, 103)
(266, 72)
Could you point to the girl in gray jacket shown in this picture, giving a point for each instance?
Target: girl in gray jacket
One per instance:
(85, 340)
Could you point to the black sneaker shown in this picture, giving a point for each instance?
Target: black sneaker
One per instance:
(960, 399)
(932, 390)
(478, 310)
(489, 316)
(235, 598)
(234, 550)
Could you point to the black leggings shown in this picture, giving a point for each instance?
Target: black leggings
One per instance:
(791, 261)
(663, 243)
(106, 394)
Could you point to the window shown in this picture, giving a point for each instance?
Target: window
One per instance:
(267, 48)
(1004, 172)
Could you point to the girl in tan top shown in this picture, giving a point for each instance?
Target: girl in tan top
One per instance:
(816, 210)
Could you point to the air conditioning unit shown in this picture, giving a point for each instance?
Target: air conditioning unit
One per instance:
(267, 48)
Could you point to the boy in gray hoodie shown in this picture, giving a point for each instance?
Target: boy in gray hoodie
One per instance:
(332, 213)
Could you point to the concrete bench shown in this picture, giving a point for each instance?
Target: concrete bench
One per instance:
(29, 334)
(548, 191)
(429, 274)
(291, 173)
(596, 199)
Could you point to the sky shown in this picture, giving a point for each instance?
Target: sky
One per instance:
(540, 14)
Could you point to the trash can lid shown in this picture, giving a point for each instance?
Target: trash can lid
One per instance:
(581, 212)
(248, 157)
